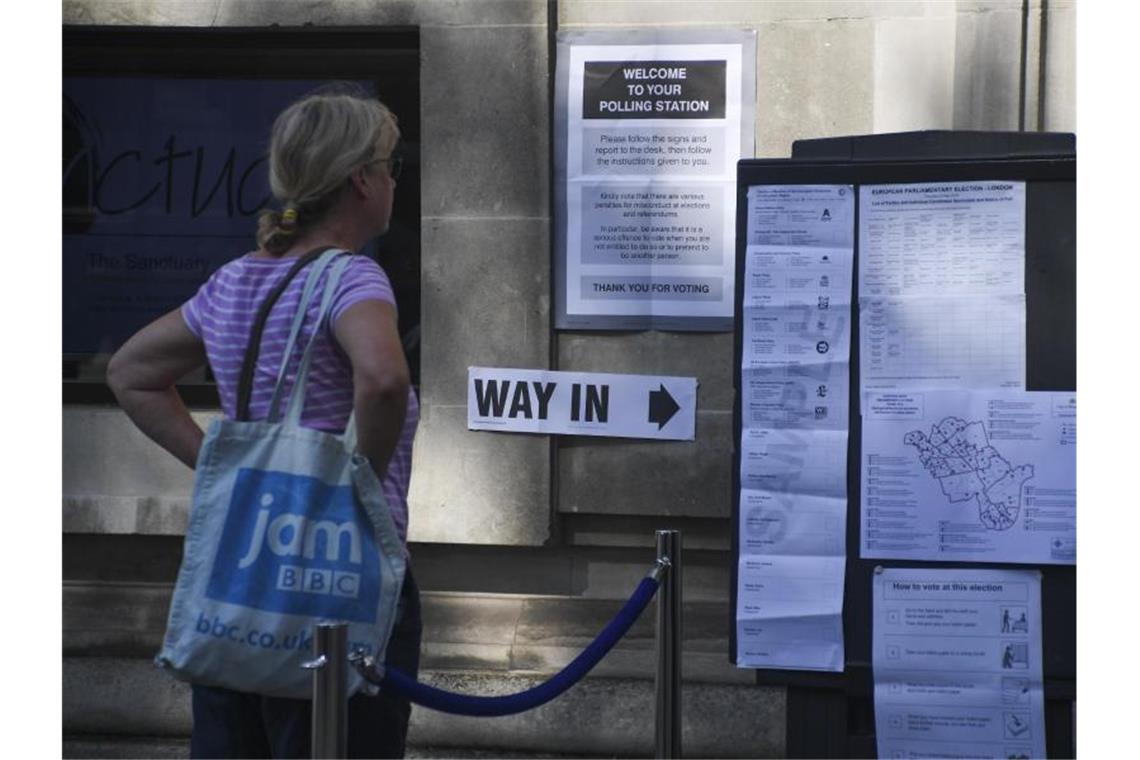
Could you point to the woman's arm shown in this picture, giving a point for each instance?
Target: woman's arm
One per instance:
(380, 380)
(142, 375)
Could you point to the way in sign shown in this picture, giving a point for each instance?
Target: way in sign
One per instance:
(581, 403)
(492, 400)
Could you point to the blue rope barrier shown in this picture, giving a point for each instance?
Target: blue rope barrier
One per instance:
(464, 704)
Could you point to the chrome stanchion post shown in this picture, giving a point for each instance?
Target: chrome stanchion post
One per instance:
(330, 690)
(668, 734)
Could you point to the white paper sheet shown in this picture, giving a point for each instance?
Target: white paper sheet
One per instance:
(790, 612)
(942, 285)
(508, 400)
(804, 396)
(796, 338)
(794, 461)
(957, 663)
(934, 342)
(775, 523)
(653, 136)
(970, 476)
(940, 238)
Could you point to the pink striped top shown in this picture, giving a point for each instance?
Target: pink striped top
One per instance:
(222, 312)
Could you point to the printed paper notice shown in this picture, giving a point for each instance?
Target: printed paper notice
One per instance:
(934, 239)
(647, 171)
(931, 342)
(795, 353)
(790, 612)
(942, 285)
(957, 663)
(970, 476)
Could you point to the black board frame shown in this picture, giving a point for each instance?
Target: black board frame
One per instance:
(821, 705)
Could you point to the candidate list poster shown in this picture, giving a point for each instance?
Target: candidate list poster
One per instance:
(649, 128)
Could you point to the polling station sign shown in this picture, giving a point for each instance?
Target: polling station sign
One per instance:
(581, 403)
(640, 90)
(649, 127)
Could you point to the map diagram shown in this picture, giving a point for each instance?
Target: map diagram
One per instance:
(959, 456)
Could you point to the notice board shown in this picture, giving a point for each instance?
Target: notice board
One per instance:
(841, 703)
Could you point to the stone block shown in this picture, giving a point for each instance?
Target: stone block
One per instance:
(552, 632)
(987, 68)
(127, 747)
(603, 13)
(492, 13)
(381, 12)
(122, 619)
(301, 12)
(813, 79)
(914, 73)
(486, 121)
(105, 454)
(175, 748)
(664, 478)
(139, 12)
(469, 568)
(477, 487)
(992, 6)
(466, 631)
(545, 622)
(116, 480)
(109, 695)
(704, 581)
(121, 557)
(1059, 98)
(611, 717)
(705, 356)
(468, 656)
(485, 298)
(1033, 66)
(582, 530)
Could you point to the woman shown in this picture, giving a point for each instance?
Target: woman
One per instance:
(331, 166)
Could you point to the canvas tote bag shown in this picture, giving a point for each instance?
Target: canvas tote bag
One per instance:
(288, 526)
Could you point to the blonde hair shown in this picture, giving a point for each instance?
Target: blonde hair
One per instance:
(315, 145)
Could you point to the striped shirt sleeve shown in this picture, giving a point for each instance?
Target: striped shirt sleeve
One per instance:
(194, 309)
(363, 279)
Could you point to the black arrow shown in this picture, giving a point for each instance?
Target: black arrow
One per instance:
(662, 407)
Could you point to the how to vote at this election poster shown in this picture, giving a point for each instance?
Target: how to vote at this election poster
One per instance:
(649, 128)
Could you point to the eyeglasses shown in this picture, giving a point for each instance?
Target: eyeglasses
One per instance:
(395, 164)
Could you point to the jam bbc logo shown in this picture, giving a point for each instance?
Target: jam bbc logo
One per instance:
(274, 557)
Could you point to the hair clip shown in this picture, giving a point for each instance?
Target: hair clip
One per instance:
(289, 218)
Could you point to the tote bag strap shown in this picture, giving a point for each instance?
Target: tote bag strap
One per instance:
(293, 409)
(308, 293)
(253, 348)
(350, 432)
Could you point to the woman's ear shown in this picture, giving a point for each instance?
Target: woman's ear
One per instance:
(359, 181)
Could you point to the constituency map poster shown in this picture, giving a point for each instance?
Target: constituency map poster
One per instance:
(970, 476)
(649, 128)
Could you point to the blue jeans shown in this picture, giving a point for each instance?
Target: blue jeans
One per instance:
(233, 724)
